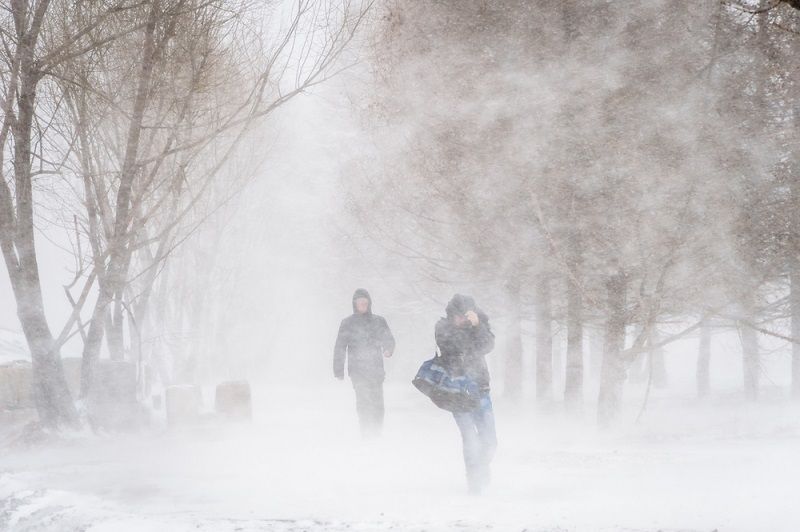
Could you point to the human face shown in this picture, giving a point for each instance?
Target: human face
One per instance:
(362, 305)
(459, 320)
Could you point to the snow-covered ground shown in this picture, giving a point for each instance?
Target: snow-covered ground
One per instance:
(301, 466)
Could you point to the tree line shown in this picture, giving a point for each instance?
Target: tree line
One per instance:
(624, 171)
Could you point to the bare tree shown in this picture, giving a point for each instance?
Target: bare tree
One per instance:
(131, 98)
(32, 48)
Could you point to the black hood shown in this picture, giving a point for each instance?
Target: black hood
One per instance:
(459, 304)
(362, 293)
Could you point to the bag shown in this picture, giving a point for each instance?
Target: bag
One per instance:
(454, 394)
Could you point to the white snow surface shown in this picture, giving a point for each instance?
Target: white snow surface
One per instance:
(300, 465)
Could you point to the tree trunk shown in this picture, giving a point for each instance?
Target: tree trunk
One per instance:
(558, 363)
(751, 363)
(657, 366)
(544, 341)
(158, 327)
(94, 340)
(704, 361)
(595, 353)
(115, 337)
(794, 301)
(573, 381)
(513, 358)
(794, 271)
(614, 368)
(113, 280)
(639, 368)
(51, 395)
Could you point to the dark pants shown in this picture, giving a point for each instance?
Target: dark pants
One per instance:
(369, 405)
(480, 442)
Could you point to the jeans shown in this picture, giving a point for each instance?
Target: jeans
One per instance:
(480, 442)
(369, 405)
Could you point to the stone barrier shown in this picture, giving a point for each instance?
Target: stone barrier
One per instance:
(16, 385)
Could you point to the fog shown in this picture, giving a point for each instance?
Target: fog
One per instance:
(614, 186)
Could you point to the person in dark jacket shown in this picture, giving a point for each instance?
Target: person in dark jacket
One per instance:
(364, 340)
(464, 338)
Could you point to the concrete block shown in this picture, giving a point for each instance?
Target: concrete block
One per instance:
(16, 385)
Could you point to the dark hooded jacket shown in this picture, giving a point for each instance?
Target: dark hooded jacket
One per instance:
(362, 339)
(463, 349)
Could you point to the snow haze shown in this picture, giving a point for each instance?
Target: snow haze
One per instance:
(615, 184)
